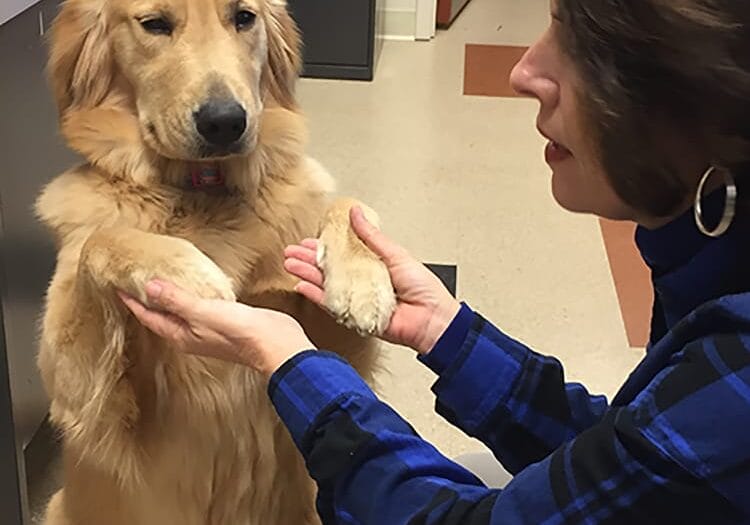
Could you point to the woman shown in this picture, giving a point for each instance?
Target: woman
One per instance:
(646, 106)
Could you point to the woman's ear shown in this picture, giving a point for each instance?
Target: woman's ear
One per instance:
(80, 64)
(284, 53)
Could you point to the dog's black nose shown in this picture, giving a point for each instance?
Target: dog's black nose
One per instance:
(221, 122)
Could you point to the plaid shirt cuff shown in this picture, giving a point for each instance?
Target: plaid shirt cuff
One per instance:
(307, 385)
(449, 344)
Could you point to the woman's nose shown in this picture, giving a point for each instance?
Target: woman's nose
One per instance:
(530, 79)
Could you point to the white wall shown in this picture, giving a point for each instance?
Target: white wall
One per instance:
(401, 4)
(400, 18)
(10, 8)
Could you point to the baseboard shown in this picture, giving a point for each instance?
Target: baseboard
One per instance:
(399, 38)
(400, 24)
(338, 72)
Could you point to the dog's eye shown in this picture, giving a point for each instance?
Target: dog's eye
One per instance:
(244, 19)
(157, 26)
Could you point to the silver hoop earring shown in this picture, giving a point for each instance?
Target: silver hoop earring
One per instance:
(730, 203)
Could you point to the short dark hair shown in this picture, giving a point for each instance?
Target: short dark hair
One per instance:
(656, 66)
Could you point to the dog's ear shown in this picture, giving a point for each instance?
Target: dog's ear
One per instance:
(284, 53)
(80, 64)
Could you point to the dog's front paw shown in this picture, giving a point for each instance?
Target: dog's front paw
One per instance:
(127, 259)
(189, 268)
(358, 289)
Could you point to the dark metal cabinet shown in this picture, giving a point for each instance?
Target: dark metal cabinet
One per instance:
(342, 38)
(32, 153)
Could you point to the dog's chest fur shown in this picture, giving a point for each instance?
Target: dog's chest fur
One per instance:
(230, 427)
(245, 235)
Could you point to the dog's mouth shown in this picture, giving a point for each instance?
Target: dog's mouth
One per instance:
(243, 146)
(197, 149)
(206, 152)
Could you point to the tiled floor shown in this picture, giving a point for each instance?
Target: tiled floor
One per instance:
(459, 179)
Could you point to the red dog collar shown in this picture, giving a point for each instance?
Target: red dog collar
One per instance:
(206, 176)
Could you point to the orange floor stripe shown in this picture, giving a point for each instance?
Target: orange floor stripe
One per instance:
(632, 280)
(487, 69)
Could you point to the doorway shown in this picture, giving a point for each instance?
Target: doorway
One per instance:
(433, 14)
(426, 19)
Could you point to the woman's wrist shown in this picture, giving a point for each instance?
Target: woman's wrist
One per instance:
(273, 357)
(438, 323)
(273, 362)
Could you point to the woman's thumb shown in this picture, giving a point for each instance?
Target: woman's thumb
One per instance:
(373, 237)
(170, 298)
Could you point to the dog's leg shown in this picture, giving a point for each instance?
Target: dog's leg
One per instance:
(358, 288)
(84, 353)
(126, 259)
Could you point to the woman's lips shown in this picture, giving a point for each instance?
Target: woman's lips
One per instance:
(555, 152)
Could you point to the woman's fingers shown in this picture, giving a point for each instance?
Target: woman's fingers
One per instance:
(301, 261)
(312, 293)
(174, 300)
(162, 324)
(303, 253)
(311, 244)
(133, 304)
(305, 271)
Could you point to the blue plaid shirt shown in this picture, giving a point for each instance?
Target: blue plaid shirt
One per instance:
(672, 447)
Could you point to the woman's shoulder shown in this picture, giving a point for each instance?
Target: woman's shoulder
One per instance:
(729, 314)
(696, 406)
(705, 356)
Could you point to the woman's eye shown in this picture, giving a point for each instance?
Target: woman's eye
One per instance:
(157, 26)
(244, 20)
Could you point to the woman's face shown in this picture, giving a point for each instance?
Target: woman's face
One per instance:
(548, 74)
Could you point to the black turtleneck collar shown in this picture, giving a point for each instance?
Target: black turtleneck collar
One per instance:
(690, 268)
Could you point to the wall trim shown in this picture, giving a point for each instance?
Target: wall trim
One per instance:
(426, 19)
(399, 38)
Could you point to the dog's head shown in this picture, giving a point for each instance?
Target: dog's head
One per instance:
(197, 73)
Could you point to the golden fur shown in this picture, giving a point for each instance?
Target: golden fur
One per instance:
(152, 437)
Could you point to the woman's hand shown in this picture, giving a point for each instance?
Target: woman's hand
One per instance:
(258, 338)
(425, 308)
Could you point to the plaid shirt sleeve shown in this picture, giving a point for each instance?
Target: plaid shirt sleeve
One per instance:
(512, 399)
(653, 461)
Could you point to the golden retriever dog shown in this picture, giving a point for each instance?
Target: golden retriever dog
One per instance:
(194, 170)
